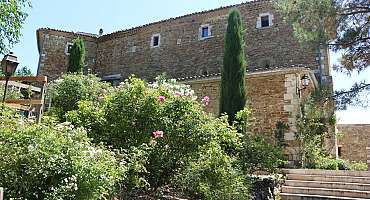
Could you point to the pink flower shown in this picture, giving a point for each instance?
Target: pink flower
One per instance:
(158, 134)
(205, 100)
(161, 99)
(178, 94)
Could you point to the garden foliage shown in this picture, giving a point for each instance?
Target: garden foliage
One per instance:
(54, 161)
(166, 138)
(66, 92)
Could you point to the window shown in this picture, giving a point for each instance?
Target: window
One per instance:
(339, 151)
(156, 40)
(265, 20)
(68, 48)
(205, 32)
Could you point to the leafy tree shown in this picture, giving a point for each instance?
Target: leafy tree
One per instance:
(24, 71)
(232, 95)
(341, 25)
(77, 56)
(12, 18)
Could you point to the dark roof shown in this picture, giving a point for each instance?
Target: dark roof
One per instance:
(215, 75)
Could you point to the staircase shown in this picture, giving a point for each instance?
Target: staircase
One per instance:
(303, 184)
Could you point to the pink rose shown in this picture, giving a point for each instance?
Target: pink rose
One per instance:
(205, 100)
(158, 134)
(178, 94)
(161, 99)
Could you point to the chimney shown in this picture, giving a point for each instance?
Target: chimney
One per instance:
(101, 32)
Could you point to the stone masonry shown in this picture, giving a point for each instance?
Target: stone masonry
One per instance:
(272, 96)
(182, 52)
(354, 142)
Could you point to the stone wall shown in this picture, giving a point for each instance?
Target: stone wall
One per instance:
(181, 52)
(354, 142)
(52, 45)
(272, 97)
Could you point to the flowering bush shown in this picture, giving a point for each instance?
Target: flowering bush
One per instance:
(164, 121)
(53, 161)
(72, 88)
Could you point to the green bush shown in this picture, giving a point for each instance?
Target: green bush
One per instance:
(161, 124)
(259, 154)
(54, 161)
(213, 176)
(72, 88)
(358, 166)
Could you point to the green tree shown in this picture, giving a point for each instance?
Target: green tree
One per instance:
(77, 56)
(233, 97)
(12, 18)
(24, 71)
(341, 25)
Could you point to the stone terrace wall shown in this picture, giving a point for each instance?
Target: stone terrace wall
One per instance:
(272, 97)
(355, 142)
(182, 54)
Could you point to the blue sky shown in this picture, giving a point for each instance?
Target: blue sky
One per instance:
(112, 15)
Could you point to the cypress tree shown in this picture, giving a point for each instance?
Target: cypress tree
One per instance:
(232, 92)
(77, 56)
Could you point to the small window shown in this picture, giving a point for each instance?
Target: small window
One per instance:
(156, 40)
(339, 151)
(68, 48)
(265, 21)
(205, 32)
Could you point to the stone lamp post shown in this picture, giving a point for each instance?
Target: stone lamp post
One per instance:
(9, 65)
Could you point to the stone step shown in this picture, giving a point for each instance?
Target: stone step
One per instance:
(288, 196)
(328, 178)
(326, 192)
(327, 172)
(328, 185)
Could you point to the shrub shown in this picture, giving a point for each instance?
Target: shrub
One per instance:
(161, 124)
(213, 176)
(258, 154)
(53, 162)
(358, 166)
(72, 88)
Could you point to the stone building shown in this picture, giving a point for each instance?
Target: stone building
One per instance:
(190, 48)
(354, 142)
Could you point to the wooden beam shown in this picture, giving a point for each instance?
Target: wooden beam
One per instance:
(26, 78)
(21, 85)
(25, 101)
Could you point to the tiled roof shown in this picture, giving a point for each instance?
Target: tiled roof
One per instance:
(76, 33)
(215, 75)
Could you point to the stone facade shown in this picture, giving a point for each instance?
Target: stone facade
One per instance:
(182, 52)
(273, 96)
(354, 142)
(276, 62)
